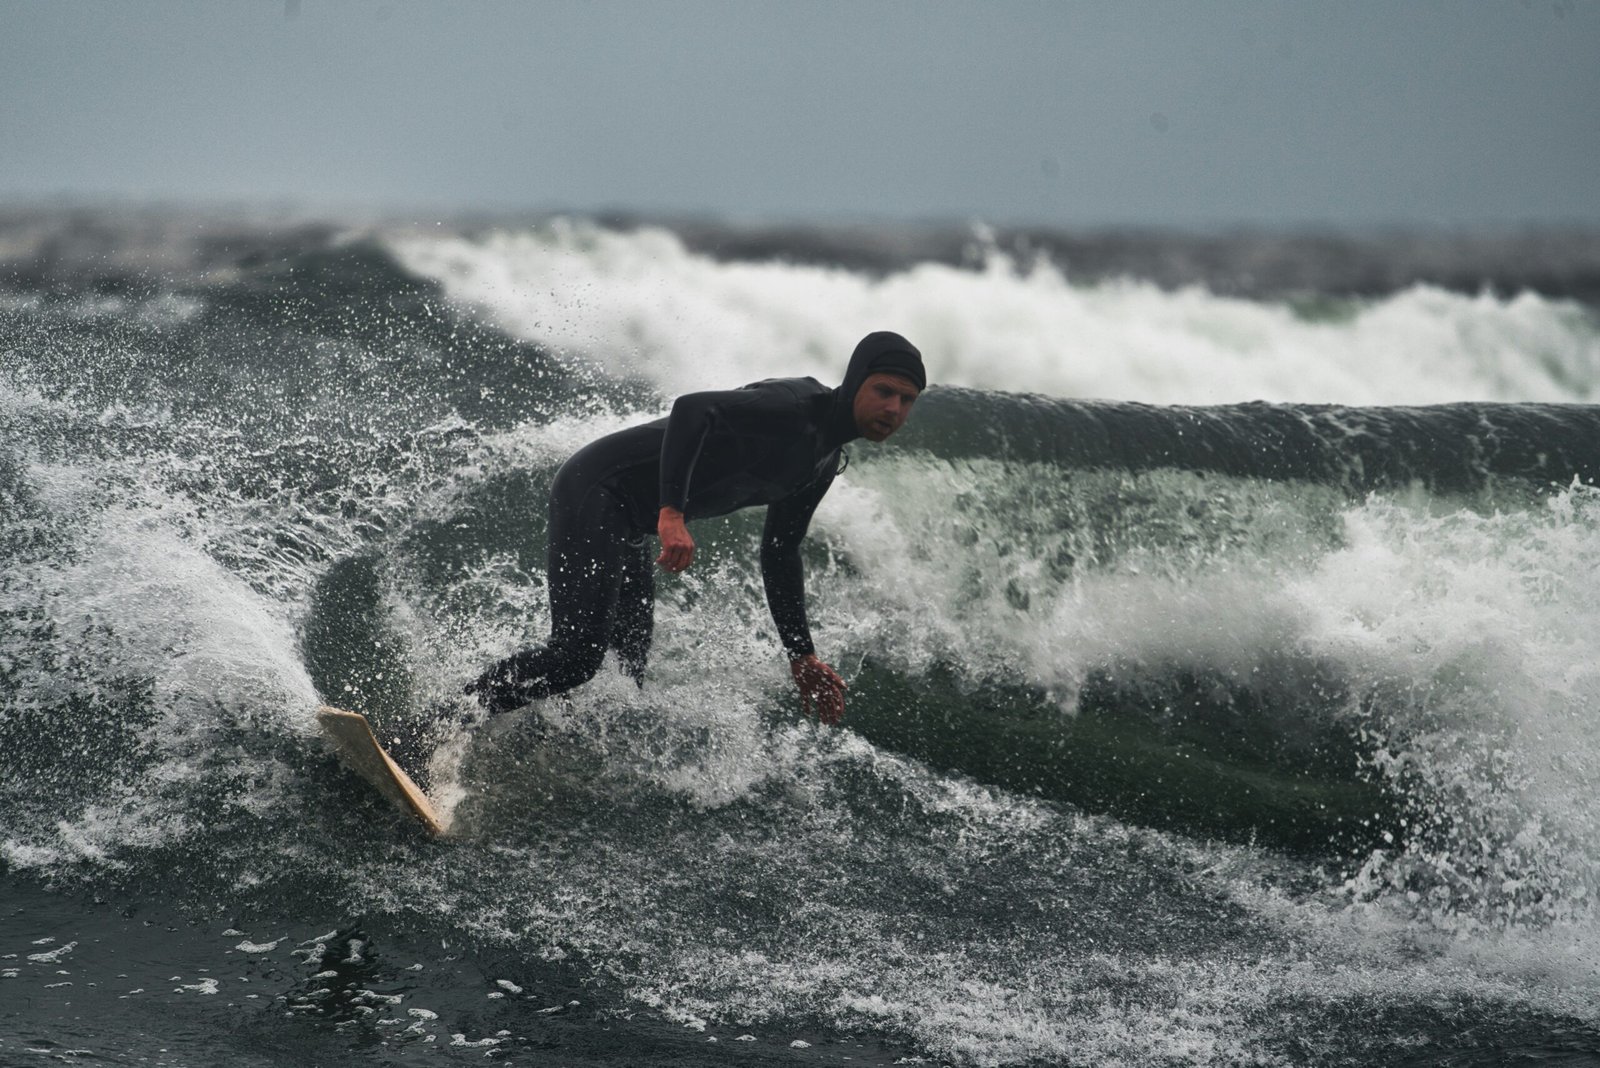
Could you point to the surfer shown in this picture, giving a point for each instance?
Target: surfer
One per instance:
(776, 442)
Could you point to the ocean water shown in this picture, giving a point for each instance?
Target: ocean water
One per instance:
(1222, 660)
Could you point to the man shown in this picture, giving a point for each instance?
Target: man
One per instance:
(775, 442)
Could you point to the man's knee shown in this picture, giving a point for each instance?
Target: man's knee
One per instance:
(582, 662)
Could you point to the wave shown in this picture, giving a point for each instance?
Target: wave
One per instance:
(1031, 499)
(641, 304)
(1444, 448)
(1170, 727)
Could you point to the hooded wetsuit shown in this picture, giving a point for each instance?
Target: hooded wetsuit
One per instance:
(775, 442)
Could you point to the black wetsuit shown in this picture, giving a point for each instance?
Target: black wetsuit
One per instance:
(775, 442)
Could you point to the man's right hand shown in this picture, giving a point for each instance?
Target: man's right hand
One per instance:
(677, 547)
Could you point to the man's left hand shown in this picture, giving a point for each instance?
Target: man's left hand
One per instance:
(821, 688)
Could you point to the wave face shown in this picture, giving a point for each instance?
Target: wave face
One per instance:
(1188, 727)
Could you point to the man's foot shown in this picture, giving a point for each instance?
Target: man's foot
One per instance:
(504, 686)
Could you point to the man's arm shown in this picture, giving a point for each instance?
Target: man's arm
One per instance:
(763, 410)
(754, 411)
(691, 419)
(783, 575)
(781, 571)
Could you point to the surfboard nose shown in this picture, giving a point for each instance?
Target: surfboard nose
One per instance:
(360, 751)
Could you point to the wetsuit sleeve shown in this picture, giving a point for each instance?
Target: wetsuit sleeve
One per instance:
(781, 571)
(753, 412)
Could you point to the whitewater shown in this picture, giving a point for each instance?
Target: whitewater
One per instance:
(1222, 674)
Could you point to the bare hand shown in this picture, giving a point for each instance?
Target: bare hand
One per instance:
(677, 548)
(821, 688)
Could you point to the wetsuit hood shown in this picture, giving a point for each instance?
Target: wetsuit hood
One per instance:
(882, 350)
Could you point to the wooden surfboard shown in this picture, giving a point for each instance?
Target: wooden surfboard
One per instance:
(359, 749)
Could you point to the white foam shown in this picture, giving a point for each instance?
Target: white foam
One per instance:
(1464, 639)
(1473, 633)
(173, 612)
(641, 304)
(52, 956)
(133, 594)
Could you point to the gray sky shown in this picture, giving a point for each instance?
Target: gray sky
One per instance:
(1467, 113)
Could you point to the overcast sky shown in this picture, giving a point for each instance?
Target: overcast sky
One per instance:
(1467, 113)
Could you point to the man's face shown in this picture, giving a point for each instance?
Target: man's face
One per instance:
(883, 403)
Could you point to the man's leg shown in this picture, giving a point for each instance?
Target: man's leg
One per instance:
(589, 550)
(636, 609)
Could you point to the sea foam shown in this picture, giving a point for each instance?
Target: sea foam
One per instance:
(639, 303)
